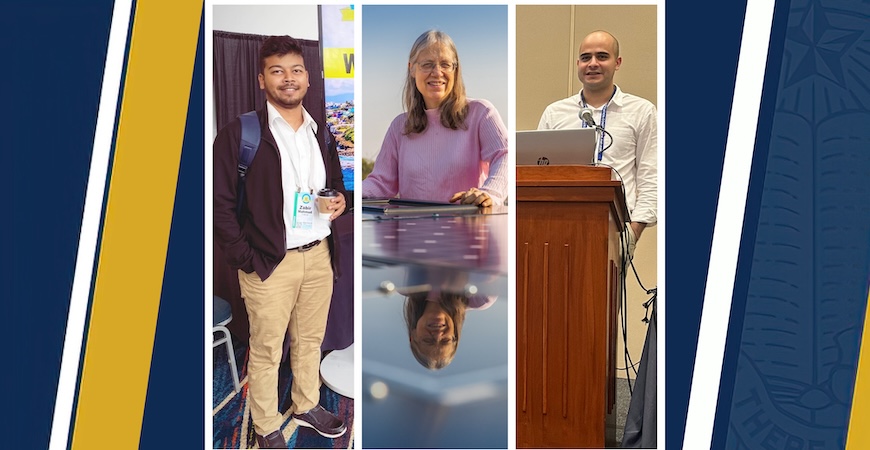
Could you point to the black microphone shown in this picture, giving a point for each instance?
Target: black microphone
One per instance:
(586, 117)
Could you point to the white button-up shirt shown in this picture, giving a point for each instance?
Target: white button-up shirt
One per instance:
(632, 122)
(302, 170)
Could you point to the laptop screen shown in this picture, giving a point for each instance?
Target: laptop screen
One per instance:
(574, 146)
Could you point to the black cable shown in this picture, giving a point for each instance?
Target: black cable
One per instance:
(626, 261)
(624, 313)
(611, 140)
(629, 368)
(648, 291)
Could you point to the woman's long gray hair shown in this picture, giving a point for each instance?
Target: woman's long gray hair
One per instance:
(454, 108)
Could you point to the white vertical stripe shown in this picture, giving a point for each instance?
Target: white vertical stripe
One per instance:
(67, 383)
(661, 227)
(512, 227)
(359, 130)
(729, 224)
(208, 234)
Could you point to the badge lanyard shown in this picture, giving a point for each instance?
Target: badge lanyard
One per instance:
(303, 206)
(603, 119)
(297, 171)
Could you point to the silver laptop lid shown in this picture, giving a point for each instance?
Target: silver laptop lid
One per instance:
(574, 146)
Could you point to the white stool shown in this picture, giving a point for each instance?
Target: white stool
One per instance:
(336, 371)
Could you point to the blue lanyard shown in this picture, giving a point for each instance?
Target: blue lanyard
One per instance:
(603, 119)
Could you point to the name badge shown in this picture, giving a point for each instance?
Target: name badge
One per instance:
(303, 211)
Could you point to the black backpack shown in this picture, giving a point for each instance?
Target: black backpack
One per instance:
(248, 145)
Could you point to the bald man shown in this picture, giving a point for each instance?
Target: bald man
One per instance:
(631, 121)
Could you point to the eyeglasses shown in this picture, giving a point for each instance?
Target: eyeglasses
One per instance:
(429, 66)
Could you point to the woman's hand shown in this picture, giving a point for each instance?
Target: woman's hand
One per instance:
(473, 196)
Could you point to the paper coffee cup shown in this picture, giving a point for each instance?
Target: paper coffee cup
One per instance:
(324, 196)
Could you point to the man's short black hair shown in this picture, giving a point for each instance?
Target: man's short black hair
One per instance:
(278, 45)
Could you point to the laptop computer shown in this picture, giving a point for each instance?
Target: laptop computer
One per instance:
(574, 146)
(403, 207)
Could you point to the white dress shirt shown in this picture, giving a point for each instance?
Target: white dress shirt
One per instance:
(631, 121)
(302, 170)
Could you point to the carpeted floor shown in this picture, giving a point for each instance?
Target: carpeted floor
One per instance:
(233, 427)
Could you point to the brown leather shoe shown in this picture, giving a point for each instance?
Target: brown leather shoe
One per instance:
(323, 422)
(272, 440)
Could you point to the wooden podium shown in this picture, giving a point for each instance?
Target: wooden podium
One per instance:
(568, 266)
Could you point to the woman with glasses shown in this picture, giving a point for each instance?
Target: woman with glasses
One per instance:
(434, 322)
(445, 147)
(436, 301)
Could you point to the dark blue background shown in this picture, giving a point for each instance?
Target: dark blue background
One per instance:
(53, 55)
(801, 287)
(53, 60)
(799, 308)
(701, 65)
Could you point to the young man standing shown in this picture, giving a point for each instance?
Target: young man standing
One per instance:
(284, 251)
(629, 119)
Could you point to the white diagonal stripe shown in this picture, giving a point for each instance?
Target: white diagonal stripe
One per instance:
(729, 224)
(93, 206)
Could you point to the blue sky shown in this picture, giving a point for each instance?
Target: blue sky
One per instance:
(480, 34)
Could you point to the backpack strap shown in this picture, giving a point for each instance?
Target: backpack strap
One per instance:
(248, 145)
(328, 137)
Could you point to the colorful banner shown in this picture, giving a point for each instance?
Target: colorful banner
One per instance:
(338, 62)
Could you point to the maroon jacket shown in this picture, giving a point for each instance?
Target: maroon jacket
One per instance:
(258, 245)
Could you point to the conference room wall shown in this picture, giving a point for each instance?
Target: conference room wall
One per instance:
(547, 40)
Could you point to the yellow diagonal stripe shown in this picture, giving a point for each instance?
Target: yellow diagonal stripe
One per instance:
(858, 437)
(138, 216)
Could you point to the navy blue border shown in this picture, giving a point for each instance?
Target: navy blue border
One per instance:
(702, 49)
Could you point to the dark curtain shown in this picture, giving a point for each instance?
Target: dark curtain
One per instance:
(236, 91)
(640, 423)
(236, 66)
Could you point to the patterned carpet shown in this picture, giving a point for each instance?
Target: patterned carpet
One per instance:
(233, 427)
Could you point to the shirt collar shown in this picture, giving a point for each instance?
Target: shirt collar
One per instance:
(617, 96)
(307, 120)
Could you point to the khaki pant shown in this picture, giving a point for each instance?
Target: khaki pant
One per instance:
(295, 297)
